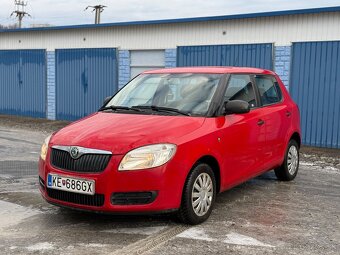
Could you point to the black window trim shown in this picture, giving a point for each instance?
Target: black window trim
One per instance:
(216, 105)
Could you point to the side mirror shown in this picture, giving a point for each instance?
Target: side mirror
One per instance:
(106, 100)
(236, 106)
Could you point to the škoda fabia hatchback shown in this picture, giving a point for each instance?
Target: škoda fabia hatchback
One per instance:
(170, 140)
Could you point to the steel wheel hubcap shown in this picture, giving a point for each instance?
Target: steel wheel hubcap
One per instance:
(292, 159)
(202, 194)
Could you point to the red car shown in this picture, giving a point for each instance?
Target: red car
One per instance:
(171, 139)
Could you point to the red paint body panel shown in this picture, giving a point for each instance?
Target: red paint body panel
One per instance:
(242, 148)
(212, 70)
(121, 133)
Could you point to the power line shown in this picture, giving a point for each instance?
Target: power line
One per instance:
(98, 9)
(20, 11)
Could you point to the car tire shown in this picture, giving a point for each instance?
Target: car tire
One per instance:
(290, 166)
(198, 195)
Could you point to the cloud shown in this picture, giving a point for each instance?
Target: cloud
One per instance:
(65, 12)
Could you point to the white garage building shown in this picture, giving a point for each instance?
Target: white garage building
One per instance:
(65, 72)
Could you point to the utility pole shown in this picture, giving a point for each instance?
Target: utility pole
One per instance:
(98, 9)
(20, 11)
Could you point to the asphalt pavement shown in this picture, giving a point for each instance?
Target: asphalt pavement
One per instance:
(261, 216)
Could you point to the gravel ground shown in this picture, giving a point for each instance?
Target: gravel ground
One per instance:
(32, 124)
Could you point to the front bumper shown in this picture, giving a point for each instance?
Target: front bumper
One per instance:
(164, 183)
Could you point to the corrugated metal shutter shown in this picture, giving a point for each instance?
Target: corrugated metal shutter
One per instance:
(84, 77)
(23, 82)
(250, 55)
(143, 60)
(315, 87)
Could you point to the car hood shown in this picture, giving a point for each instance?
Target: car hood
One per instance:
(121, 133)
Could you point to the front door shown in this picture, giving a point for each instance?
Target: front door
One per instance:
(243, 135)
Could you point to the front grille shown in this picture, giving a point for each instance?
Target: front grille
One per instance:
(75, 198)
(133, 198)
(87, 163)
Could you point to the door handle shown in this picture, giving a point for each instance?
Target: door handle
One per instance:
(288, 113)
(260, 122)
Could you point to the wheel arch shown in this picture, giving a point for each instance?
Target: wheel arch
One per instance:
(213, 163)
(296, 136)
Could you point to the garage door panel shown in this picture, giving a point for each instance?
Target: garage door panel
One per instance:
(84, 78)
(33, 72)
(147, 58)
(144, 60)
(9, 82)
(70, 79)
(101, 77)
(315, 83)
(23, 82)
(251, 55)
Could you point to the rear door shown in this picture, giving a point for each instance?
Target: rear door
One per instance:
(277, 120)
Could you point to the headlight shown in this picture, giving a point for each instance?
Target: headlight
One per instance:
(44, 148)
(147, 157)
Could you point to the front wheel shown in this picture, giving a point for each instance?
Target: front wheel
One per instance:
(290, 166)
(198, 195)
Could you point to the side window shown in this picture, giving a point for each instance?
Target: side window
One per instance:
(240, 87)
(268, 89)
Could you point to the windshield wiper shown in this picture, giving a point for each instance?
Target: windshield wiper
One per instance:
(117, 107)
(161, 109)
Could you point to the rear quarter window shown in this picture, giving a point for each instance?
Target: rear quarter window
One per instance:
(269, 89)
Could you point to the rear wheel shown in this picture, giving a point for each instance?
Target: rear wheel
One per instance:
(290, 166)
(198, 195)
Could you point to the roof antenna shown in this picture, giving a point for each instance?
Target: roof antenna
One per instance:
(98, 9)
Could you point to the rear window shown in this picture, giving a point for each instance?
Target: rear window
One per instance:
(270, 92)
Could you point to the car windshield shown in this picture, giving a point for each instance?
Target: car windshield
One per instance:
(188, 94)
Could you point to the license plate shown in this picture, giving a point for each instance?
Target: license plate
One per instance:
(75, 185)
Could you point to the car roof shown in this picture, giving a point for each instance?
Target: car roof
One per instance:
(210, 69)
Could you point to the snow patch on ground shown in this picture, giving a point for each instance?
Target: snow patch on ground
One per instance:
(330, 169)
(303, 163)
(45, 246)
(12, 214)
(321, 166)
(231, 238)
(94, 245)
(196, 233)
(238, 239)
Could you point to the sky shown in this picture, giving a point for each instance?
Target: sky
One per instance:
(70, 12)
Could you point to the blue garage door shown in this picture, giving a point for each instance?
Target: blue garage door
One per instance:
(23, 82)
(250, 55)
(84, 77)
(315, 86)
